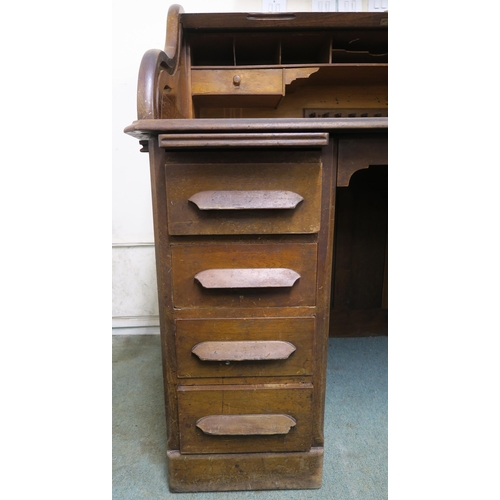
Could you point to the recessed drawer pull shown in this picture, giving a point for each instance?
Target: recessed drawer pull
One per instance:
(246, 200)
(243, 351)
(246, 425)
(247, 278)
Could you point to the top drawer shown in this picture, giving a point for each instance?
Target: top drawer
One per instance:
(237, 81)
(237, 87)
(244, 193)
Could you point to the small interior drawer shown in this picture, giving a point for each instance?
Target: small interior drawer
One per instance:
(257, 347)
(237, 81)
(245, 419)
(259, 197)
(244, 275)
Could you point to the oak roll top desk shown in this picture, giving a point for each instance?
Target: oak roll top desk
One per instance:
(253, 123)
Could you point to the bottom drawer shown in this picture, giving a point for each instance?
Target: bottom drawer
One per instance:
(245, 419)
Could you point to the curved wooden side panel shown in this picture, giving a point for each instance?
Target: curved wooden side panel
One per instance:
(155, 82)
(173, 39)
(153, 63)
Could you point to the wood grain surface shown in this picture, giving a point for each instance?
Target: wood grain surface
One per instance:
(237, 80)
(189, 260)
(238, 350)
(357, 153)
(245, 471)
(293, 331)
(246, 200)
(267, 277)
(246, 425)
(257, 171)
(293, 400)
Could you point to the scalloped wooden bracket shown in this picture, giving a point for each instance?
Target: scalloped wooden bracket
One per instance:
(246, 425)
(246, 200)
(257, 350)
(266, 277)
(291, 74)
(356, 154)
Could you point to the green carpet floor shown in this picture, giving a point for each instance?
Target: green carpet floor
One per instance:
(355, 462)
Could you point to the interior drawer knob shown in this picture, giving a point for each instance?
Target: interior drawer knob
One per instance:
(247, 278)
(246, 425)
(237, 80)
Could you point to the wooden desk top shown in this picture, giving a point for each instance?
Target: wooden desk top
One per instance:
(145, 129)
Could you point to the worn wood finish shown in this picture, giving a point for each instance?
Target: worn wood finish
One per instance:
(146, 128)
(189, 260)
(288, 399)
(246, 425)
(266, 277)
(357, 153)
(173, 41)
(293, 331)
(245, 87)
(255, 350)
(343, 100)
(285, 21)
(243, 193)
(161, 93)
(245, 312)
(292, 74)
(245, 471)
(275, 140)
(228, 172)
(342, 97)
(164, 284)
(149, 99)
(249, 86)
(323, 290)
(237, 81)
(224, 381)
(246, 200)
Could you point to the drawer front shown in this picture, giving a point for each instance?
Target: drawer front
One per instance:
(241, 347)
(244, 275)
(244, 198)
(245, 419)
(237, 81)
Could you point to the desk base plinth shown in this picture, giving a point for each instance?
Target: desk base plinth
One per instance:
(245, 471)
